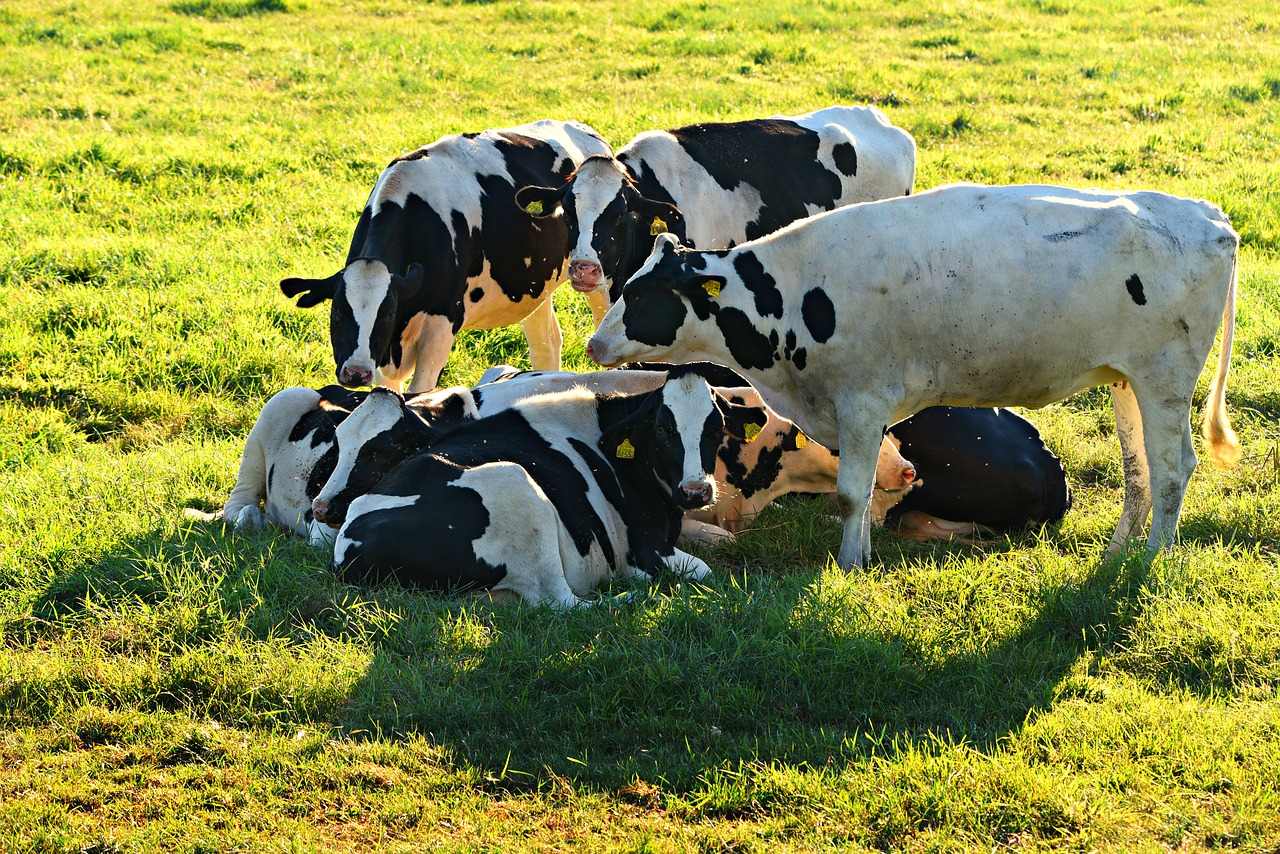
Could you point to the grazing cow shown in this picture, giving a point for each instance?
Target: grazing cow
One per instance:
(291, 451)
(545, 499)
(1015, 295)
(987, 469)
(441, 246)
(719, 184)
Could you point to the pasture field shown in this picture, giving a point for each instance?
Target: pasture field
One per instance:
(169, 686)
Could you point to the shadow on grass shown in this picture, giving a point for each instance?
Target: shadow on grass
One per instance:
(673, 687)
(799, 667)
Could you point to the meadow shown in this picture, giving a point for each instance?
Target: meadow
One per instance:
(173, 686)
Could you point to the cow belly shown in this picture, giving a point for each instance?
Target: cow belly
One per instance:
(487, 305)
(408, 540)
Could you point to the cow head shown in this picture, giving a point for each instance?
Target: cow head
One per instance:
(657, 315)
(611, 226)
(675, 433)
(895, 477)
(380, 433)
(364, 315)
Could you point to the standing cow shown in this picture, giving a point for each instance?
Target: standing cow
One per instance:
(441, 247)
(715, 185)
(964, 295)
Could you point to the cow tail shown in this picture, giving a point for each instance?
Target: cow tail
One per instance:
(1224, 447)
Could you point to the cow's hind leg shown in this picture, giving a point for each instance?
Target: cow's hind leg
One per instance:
(1137, 480)
(1171, 457)
(543, 334)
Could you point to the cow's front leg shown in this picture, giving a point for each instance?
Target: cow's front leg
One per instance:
(686, 565)
(543, 334)
(859, 450)
(428, 349)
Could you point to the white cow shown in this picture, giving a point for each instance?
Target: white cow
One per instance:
(1017, 295)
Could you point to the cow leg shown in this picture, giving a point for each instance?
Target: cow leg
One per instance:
(599, 302)
(1171, 459)
(859, 451)
(686, 565)
(1137, 478)
(543, 334)
(705, 533)
(428, 350)
(526, 536)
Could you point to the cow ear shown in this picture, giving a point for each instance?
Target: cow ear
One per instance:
(741, 421)
(540, 202)
(621, 439)
(702, 285)
(658, 217)
(410, 281)
(313, 291)
(449, 407)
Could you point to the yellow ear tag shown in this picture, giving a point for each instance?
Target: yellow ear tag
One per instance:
(801, 441)
(712, 287)
(752, 431)
(658, 226)
(534, 208)
(626, 450)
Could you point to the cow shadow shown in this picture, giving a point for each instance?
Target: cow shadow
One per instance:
(675, 686)
(670, 683)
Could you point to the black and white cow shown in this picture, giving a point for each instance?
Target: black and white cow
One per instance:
(1015, 295)
(772, 458)
(546, 499)
(715, 185)
(441, 247)
(983, 471)
(291, 452)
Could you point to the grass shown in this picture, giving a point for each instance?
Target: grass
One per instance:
(170, 686)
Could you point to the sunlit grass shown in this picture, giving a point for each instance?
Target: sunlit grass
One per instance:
(168, 685)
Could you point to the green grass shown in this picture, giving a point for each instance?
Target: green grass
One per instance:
(171, 686)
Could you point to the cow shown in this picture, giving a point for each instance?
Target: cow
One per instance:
(718, 184)
(440, 246)
(291, 451)
(772, 458)
(545, 499)
(964, 295)
(987, 469)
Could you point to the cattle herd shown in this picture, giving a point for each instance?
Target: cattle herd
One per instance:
(765, 293)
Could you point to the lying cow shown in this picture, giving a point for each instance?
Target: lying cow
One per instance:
(987, 469)
(546, 499)
(1015, 295)
(771, 459)
(719, 184)
(291, 451)
(441, 247)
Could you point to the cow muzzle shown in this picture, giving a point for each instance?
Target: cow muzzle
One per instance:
(585, 276)
(599, 353)
(355, 376)
(696, 493)
(324, 512)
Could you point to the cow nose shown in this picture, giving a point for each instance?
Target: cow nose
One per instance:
(908, 475)
(320, 510)
(697, 492)
(584, 275)
(355, 377)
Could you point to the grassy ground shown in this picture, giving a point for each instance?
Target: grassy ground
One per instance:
(168, 686)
